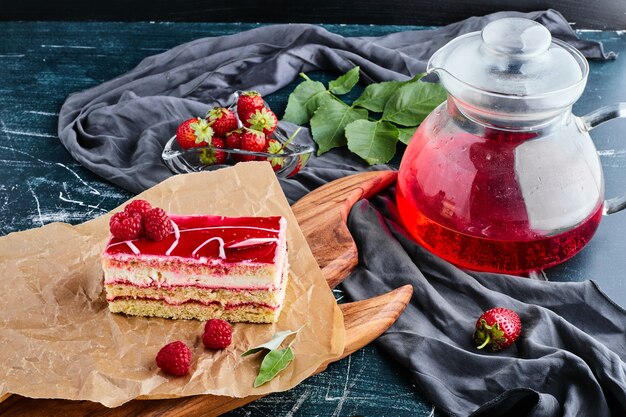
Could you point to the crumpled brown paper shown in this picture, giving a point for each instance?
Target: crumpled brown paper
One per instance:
(59, 340)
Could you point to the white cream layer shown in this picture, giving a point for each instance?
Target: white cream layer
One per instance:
(144, 277)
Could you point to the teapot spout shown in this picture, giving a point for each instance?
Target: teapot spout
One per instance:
(435, 63)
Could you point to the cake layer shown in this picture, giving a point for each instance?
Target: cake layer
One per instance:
(184, 294)
(179, 295)
(153, 308)
(174, 272)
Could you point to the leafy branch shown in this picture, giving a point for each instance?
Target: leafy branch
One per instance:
(400, 106)
(276, 359)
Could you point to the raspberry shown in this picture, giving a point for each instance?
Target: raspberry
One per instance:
(138, 206)
(126, 226)
(217, 334)
(157, 224)
(174, 358)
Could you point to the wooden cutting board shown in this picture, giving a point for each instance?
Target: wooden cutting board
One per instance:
(322, 216)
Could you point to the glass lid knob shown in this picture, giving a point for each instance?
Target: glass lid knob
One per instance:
(516, 37)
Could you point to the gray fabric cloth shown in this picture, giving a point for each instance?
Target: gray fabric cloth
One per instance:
(118, 129)
(570, 360)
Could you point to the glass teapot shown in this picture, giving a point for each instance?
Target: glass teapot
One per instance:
(502, 176)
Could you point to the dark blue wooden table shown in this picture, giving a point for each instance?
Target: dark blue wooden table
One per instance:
(42, 63)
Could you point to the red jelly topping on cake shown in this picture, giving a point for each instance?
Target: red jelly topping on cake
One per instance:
(230, 239)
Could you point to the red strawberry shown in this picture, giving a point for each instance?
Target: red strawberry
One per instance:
(497, 328)
(233, 139)
(138, 206)
(126, 226)
(157, 224)
(193, 133)
(213, 155)
(263, 120)
(277, 148)
(249, 102)
(218, 334)
(222, 120)
(253, 141)
(174, 358)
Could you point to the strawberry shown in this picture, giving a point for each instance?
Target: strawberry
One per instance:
(218, 334)
(497, 329)
(253, 141)
(174, 358)
(157, 224)
(126, 226)
(138, 206)
(275, 147)
(222, 120)
(249, 102)
(213, 155)
(263, 120)
(193, 133)
(233, 139)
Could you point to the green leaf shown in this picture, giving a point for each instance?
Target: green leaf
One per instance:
(304, 100)
(329, 121)
(344, 84)
(412, 102)
(274, 362)
(375, 96)
(375, 142)
(406, 133)
(271, 344)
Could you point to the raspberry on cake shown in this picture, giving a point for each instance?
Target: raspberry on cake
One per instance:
(232, 268)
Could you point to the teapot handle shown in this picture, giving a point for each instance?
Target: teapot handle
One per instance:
(596, 118)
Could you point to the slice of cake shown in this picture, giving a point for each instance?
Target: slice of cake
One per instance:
(233, 268)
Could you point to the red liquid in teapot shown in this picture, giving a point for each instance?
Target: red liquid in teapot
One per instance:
(510, 256)
(475, 214)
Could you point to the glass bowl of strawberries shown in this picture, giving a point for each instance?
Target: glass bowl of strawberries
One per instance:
(245, 131)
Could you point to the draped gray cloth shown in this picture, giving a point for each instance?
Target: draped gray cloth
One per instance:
(118, 129)
(570, 358)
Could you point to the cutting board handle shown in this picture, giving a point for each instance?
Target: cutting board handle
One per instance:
(323, 213)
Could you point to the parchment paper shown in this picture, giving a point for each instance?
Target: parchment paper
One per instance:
(59, 340)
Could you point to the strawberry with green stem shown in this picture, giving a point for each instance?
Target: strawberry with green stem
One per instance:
(249, 102)
(276, 147)
(193, 133)
(497, 329)
(214, 155)
(253, 141)
(222, 120)
(263, 120)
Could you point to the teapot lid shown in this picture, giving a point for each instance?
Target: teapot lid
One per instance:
(511, 59)
(513, 56)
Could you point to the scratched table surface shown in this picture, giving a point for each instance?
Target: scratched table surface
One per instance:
(42, 63)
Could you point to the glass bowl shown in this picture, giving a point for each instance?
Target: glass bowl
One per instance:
(293, 158)
(286, 164)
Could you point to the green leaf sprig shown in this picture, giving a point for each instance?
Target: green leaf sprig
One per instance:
(400, 106)
(276, 359)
